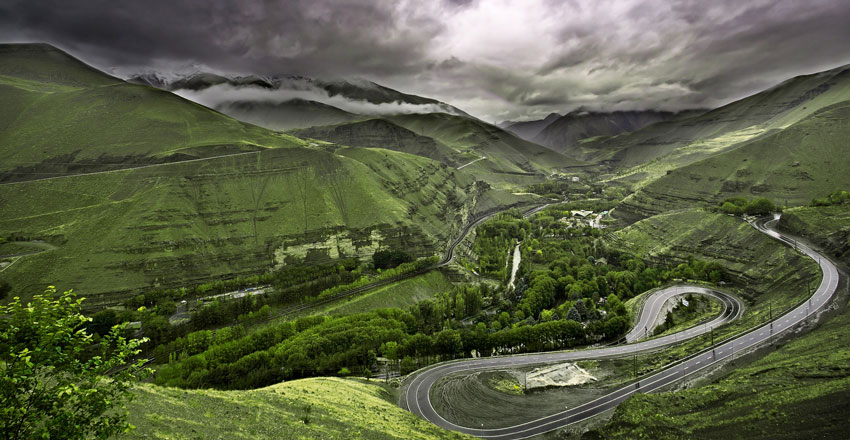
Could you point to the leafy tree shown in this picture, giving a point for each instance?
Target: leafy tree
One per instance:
(574, 315)
(52, 376)
(731, 208)
(760, 206)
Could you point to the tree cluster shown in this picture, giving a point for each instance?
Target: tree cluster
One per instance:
(741, 206)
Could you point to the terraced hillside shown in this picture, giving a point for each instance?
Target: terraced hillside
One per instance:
(248, 199)
(188, 222)
(791, 166)
(380, 133)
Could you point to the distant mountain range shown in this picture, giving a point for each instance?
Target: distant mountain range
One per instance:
(563, 133)
(287, 102)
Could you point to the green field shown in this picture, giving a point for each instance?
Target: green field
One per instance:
(321, 408)
(402, 294)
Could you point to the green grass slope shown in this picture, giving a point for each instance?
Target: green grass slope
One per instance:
(320, 408)
(380, 133)
(763, 267)
(181, 223)
(46, 64)
(827, 226)
(502, 148)
(510, 163)
(130, 213)
(648, 153)
(563, 134)
(60, 116)
(806, 160)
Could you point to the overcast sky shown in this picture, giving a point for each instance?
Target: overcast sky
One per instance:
(496, 59)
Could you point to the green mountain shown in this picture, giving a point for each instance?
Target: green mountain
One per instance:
(380, 133)
(60, 116)
(790, 166)
(564, 133)
(475, 147)
(529, 129)
(287, 102)
(509, 161)
(650, 152)
(251, 199)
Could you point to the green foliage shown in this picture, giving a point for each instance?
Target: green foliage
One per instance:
(731, 208)
(760, 206)
(388, 259)
(837, 197)
(740, 205)
(53, 383)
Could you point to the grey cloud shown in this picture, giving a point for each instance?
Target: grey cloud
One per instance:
(600, 54)
(295, 89)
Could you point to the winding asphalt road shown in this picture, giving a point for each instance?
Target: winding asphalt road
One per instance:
(416, 392)
(732, 309)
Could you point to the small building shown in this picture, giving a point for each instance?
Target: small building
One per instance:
(574, 179)
(582, 213)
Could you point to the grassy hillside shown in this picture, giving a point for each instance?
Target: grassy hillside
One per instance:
(380, 133)
(828, 226)
(397, 295)
(510, 162)
(563, 135)
(187, 222)
(61, 116)
(320, 408)
(257, 199)
(808, 159)
(759, 265)
(650, 152)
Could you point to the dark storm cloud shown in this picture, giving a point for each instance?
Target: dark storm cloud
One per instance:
(498, 59)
